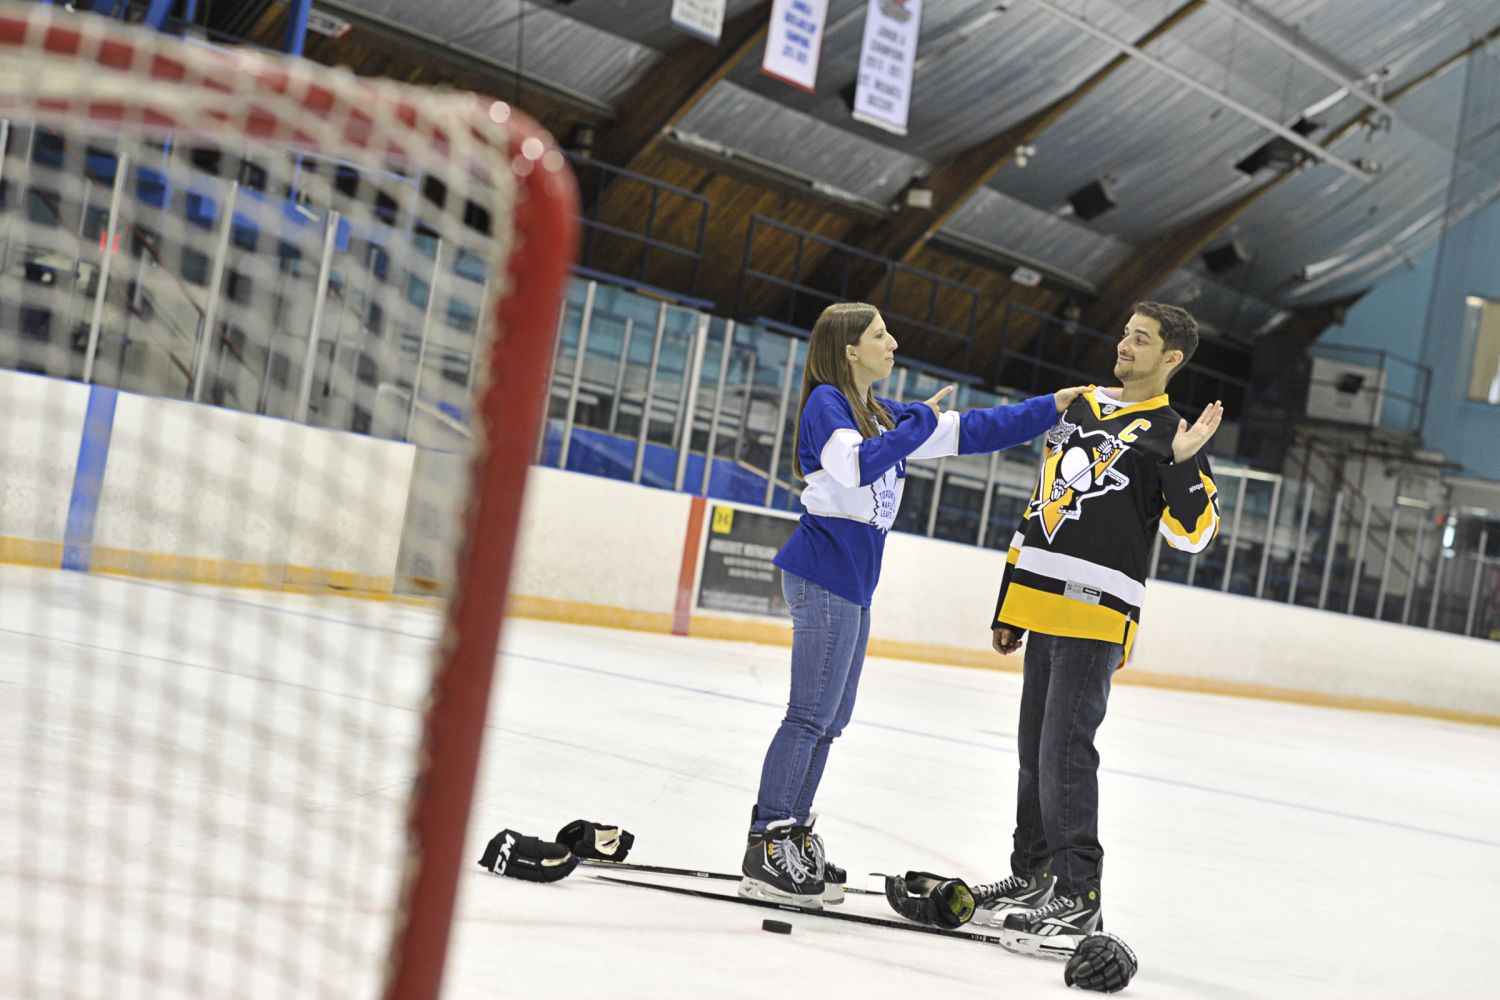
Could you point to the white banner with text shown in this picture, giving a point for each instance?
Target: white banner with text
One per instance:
(794, 42)
(886, 60)
(704, 18)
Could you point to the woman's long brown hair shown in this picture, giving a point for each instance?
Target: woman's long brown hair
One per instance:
(840, 326)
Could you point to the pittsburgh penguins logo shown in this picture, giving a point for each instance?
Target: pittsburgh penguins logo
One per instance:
(1074, 472)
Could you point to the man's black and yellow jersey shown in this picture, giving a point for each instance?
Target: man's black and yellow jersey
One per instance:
(1077, 564)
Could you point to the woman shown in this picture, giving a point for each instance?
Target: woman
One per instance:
(851, 449)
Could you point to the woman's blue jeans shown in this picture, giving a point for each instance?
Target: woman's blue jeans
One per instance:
(829, 635)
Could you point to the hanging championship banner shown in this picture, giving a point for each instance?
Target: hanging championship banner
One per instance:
(794, 42)
(886, 59)
(704, 18)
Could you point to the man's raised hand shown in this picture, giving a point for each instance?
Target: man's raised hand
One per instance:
(1190, 439)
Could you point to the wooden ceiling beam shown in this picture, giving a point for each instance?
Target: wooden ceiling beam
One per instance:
(672, 86)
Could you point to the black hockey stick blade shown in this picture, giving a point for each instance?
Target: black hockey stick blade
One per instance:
(631, 866)
(856, 918)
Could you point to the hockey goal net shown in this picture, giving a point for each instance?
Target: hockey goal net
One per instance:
(273, 345)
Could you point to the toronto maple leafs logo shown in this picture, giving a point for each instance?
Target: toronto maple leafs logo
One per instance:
(1076, 470)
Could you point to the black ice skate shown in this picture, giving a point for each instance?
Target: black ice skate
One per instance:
(997, 900)
(776, 869)
(1056, 928)
(834, 878)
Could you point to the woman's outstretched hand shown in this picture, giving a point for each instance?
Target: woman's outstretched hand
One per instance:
(1064, 397)
(938, 398)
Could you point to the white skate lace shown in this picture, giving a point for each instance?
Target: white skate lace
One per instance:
(987, 891)
(789, 859)
(819, 858)
(1058, 904)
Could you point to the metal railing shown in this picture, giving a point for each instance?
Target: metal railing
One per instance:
(93, 292)
(625, 252)
(667, 396)
(896, 287)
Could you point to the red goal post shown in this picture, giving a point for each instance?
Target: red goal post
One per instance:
(84, 73)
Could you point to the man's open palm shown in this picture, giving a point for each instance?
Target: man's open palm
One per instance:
(1190, 439)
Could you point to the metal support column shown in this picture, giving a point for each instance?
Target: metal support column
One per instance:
(416, 378)
(690, 402)
(718, 409)
(1234, 534)
(320, 298)
(1413, 570)
(640, 439)
(937, 496)
(1479, 557)
(557, 346)
(122, 167)
(786, 394)
(1333, 546)
(991, 474)
(620, 372)
(486, 308)
(574, 382)
(1385, 563)
(1359, 560)
(1265, 547)
(215, 289)
(1307, 494)
(1437, 585)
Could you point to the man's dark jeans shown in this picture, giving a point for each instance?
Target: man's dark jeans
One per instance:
(1065, 693)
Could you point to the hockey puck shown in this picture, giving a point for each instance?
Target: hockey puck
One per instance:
(776, 926)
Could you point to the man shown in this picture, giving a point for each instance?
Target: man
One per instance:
(1120, 466)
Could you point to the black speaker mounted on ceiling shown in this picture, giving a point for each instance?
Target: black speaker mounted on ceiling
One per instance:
(1224, 258)
(1093, 199)
(1278, 153)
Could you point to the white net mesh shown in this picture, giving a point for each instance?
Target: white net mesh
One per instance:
(246, 316)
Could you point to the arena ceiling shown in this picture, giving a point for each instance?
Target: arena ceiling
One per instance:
(1314, 230)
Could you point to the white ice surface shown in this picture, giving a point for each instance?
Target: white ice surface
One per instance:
(1255, 849)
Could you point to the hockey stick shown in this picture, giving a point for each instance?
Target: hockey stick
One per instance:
(857, 918)
(631, 866)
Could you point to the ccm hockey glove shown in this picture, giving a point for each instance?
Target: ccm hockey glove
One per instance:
(530, 859)
(596, 842)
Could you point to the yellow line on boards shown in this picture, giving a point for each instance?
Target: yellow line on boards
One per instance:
(316, 582)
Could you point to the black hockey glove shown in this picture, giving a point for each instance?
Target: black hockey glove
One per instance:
(530, 859)
(930, 899)
(1102, 963)
(595, 842)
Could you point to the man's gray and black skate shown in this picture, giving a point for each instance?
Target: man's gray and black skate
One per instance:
(997, 900)
(1056, 928)
(776, 869)
(834, 878)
